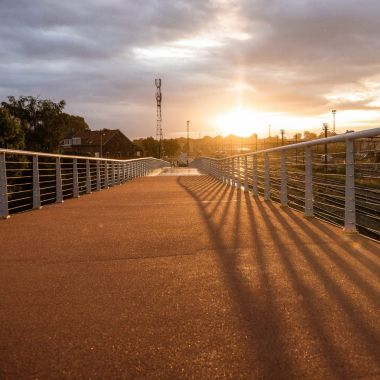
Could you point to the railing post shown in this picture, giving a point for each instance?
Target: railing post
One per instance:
(98, 176)
(238, 173)
(119, 173)
(58, 181)
(123, 172)
(309, 211)
(266, 178)
(106, 184)
(112, 173)
(284, 181)
(4, 211)
(75, 179)
(36, 184)
(246, 173)
(254, 176)
(232, 171)
(350, 206)
(145, 168)
(88, 177)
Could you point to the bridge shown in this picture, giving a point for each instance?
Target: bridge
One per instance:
(147, 271)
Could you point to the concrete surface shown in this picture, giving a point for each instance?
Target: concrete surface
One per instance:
(183, 277)
(178, 171)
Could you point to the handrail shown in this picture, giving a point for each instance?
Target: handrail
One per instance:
(336, 188)
(55, 155)
(29, 179)
(322, 141)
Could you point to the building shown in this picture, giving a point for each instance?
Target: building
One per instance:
(107, 143)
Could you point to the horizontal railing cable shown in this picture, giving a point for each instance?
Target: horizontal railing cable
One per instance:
(29, 180)
(341, 187)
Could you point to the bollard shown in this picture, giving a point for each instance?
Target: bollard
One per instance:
(58, 181)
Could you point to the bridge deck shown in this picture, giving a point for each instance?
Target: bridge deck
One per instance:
(183, 277)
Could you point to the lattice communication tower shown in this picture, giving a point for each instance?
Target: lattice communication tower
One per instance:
(159, 134)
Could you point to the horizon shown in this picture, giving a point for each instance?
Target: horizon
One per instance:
(230, 67)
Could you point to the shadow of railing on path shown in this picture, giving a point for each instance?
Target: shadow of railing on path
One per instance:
(308, 279)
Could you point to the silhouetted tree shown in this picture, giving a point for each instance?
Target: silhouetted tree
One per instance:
(11, 133)
(43, 121)
(171, 147)
(309, 135)
(148, 145)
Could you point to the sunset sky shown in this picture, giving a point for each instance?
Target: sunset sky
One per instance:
(227, 66)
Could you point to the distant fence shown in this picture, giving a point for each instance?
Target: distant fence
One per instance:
(324, 178)
(29, 180)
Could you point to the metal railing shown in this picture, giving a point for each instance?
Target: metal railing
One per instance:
(29, 180)
(327, 178)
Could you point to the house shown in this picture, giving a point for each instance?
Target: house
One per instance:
(107, 143)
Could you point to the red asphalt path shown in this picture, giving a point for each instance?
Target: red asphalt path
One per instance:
(180, 278)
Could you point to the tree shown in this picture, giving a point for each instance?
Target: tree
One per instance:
(72, 124)
(171, 147)
(309, 135)
(11, 133)
(149, 146)
(43, 121)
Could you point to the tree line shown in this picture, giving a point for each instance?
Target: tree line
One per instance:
(36, 124)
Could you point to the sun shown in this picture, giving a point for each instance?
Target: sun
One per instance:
(240, 122)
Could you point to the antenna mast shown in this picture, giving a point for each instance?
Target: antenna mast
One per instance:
(159, 135)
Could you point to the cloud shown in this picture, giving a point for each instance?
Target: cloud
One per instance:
(295, 56)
